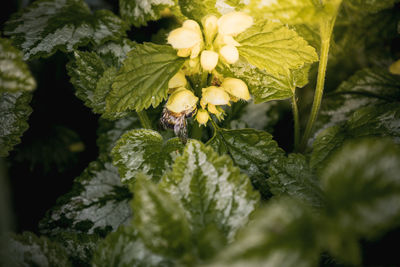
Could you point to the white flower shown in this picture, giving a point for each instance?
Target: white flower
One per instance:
(215, 96)
(234, 23)
(208, 60)
(229, 53)
(236, 88)
(202, 116)
(178, 80)
(181, 100)
(210, 25)
(188, 39)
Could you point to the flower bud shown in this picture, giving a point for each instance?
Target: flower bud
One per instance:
(229, 53)
(208, 60)
(183, 38)
(395, 68)
(181, 100)
(178, 80)
(213, 109)
(210, 25)
(234, 23)
(236, 88)
(215, 96)
(202, 116)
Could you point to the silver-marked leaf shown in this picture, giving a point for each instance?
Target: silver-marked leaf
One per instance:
(198, 9)
(252, 151)
(14, 73)
(139, 12)
(144, 151)
(27, 249)
(113, 53)
(211, 190)
(98, 203)
(124, 248)
(275, 48)
(46, 26)
(143, 79)
(15, 111)
(159, 220)
(264, 86)
(291, 176)
(282, 233)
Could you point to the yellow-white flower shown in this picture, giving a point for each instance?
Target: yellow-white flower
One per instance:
(208, 60)
(178, 80)
(202, 116)
(181, 100)
(229, 53)
(395, 68)
(234, 23)
(215, 96)
(188, 39)
(210, 25)
(237, 88)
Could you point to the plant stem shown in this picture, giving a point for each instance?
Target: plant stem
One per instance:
(296, 122)
(326, 28)
(144, 119)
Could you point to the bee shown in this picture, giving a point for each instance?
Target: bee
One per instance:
(177, 122)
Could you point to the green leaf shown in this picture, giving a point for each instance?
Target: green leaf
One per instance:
(143, 79)
(264, 86)
(159, 220)
(198, 9)
(15, 111)
(251, 150)
(98, 203)
(212, 192)
(273, 47)
(291, 176)
(46, 26)
(29, 250)
(369, 6)
(362, 187)
(281, 234)
(144, 151)
(139, 12)
(124, 248)
(14, 73)
(113, 53)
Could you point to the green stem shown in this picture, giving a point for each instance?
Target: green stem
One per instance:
(144, 119)
(296, 122)
(326, 28)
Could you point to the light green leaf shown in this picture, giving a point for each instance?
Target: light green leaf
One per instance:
(46, 26)
(144, 151)
(29, 250)
(15, 111)
(198, 9)
(273, 47)
(14, 73)
(212, 192)
(251, 150)
(264, 86)
(143, 79)
(293, 177)
(98, 203)
(124, 248)
(139, 12)
(281, 234)
(362, 187)
(159, 220)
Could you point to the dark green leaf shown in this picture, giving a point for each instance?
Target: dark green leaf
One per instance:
(98, 203)
(15, 111)
(143, 79)
(113, 53)
(144, 151)
(124, 248)
(46, 26)
(293, 177)
(252, 150)
(211, 190)
(14, 73)
(160, 220)
(198, 9)
(273, 47)
(29, 250)
(369, 6)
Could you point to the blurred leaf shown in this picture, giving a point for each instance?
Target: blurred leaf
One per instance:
(293, 177)
(198, 9)
(252, 151)
(143, 79)
(369, 6)
(144, 151)
(124, 248)
(27, 249)
(15, 111)
(211, 191)
(14, 72)
(97, 203)
(46, 26)
(273, 47)
(160, 220)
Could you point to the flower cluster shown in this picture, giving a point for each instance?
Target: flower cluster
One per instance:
(204, 47)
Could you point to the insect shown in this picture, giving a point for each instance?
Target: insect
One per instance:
(177, 121)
